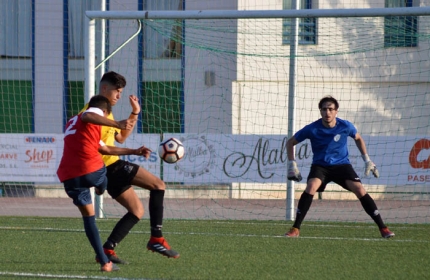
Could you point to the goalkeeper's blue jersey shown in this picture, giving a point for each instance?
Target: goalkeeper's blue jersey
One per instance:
(329, 145)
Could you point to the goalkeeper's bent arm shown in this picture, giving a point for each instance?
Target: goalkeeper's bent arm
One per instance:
(290, 148)
(369, 165)
(293, 171)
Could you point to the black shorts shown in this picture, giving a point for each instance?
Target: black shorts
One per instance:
(336, 173)
(120, 174)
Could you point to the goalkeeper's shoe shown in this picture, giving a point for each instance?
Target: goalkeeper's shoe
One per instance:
(386, 233)
(112, 256)
(160, 245)
(293, 232)
(108, 267)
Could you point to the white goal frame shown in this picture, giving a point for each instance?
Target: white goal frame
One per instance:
(89, 42)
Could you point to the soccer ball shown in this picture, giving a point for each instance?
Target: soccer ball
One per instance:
(171, 150)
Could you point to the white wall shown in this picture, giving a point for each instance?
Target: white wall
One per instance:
(208, 109)
(48, 60)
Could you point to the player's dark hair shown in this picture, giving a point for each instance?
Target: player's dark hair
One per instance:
(114, 79)
(101, 102)
(330, 99)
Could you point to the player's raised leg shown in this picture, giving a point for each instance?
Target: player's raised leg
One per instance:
(157, 243)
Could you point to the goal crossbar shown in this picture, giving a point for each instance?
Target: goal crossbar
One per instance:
(235, 14)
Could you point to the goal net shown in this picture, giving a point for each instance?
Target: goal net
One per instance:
(233, 86)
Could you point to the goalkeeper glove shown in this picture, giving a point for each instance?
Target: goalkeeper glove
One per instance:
(293, 171)
(370, 167)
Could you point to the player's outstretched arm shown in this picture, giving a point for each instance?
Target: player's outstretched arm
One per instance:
(112, 150)
(369, 165)
(94, 118)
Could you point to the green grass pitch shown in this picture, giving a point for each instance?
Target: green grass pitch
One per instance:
(57, 248)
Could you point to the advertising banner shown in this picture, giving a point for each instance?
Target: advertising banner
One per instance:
(30, 157)
(223, 158)
(35, 157)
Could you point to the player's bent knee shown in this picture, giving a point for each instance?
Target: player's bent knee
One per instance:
(137, 210)
(138, 213)
(359, 191)
(311, 189)
(159, 186)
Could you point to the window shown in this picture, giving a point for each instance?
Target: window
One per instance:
(307, 26)
(15, 28)
(76, 20)
(16, 88)
(400, 31)
(163, 38)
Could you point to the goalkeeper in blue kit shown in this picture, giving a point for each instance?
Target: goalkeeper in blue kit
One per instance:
(328, 136)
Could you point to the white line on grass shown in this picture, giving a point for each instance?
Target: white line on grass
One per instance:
(40, 229)
(394, 239)
(370, 224)
(250, 223)
(43, 275)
